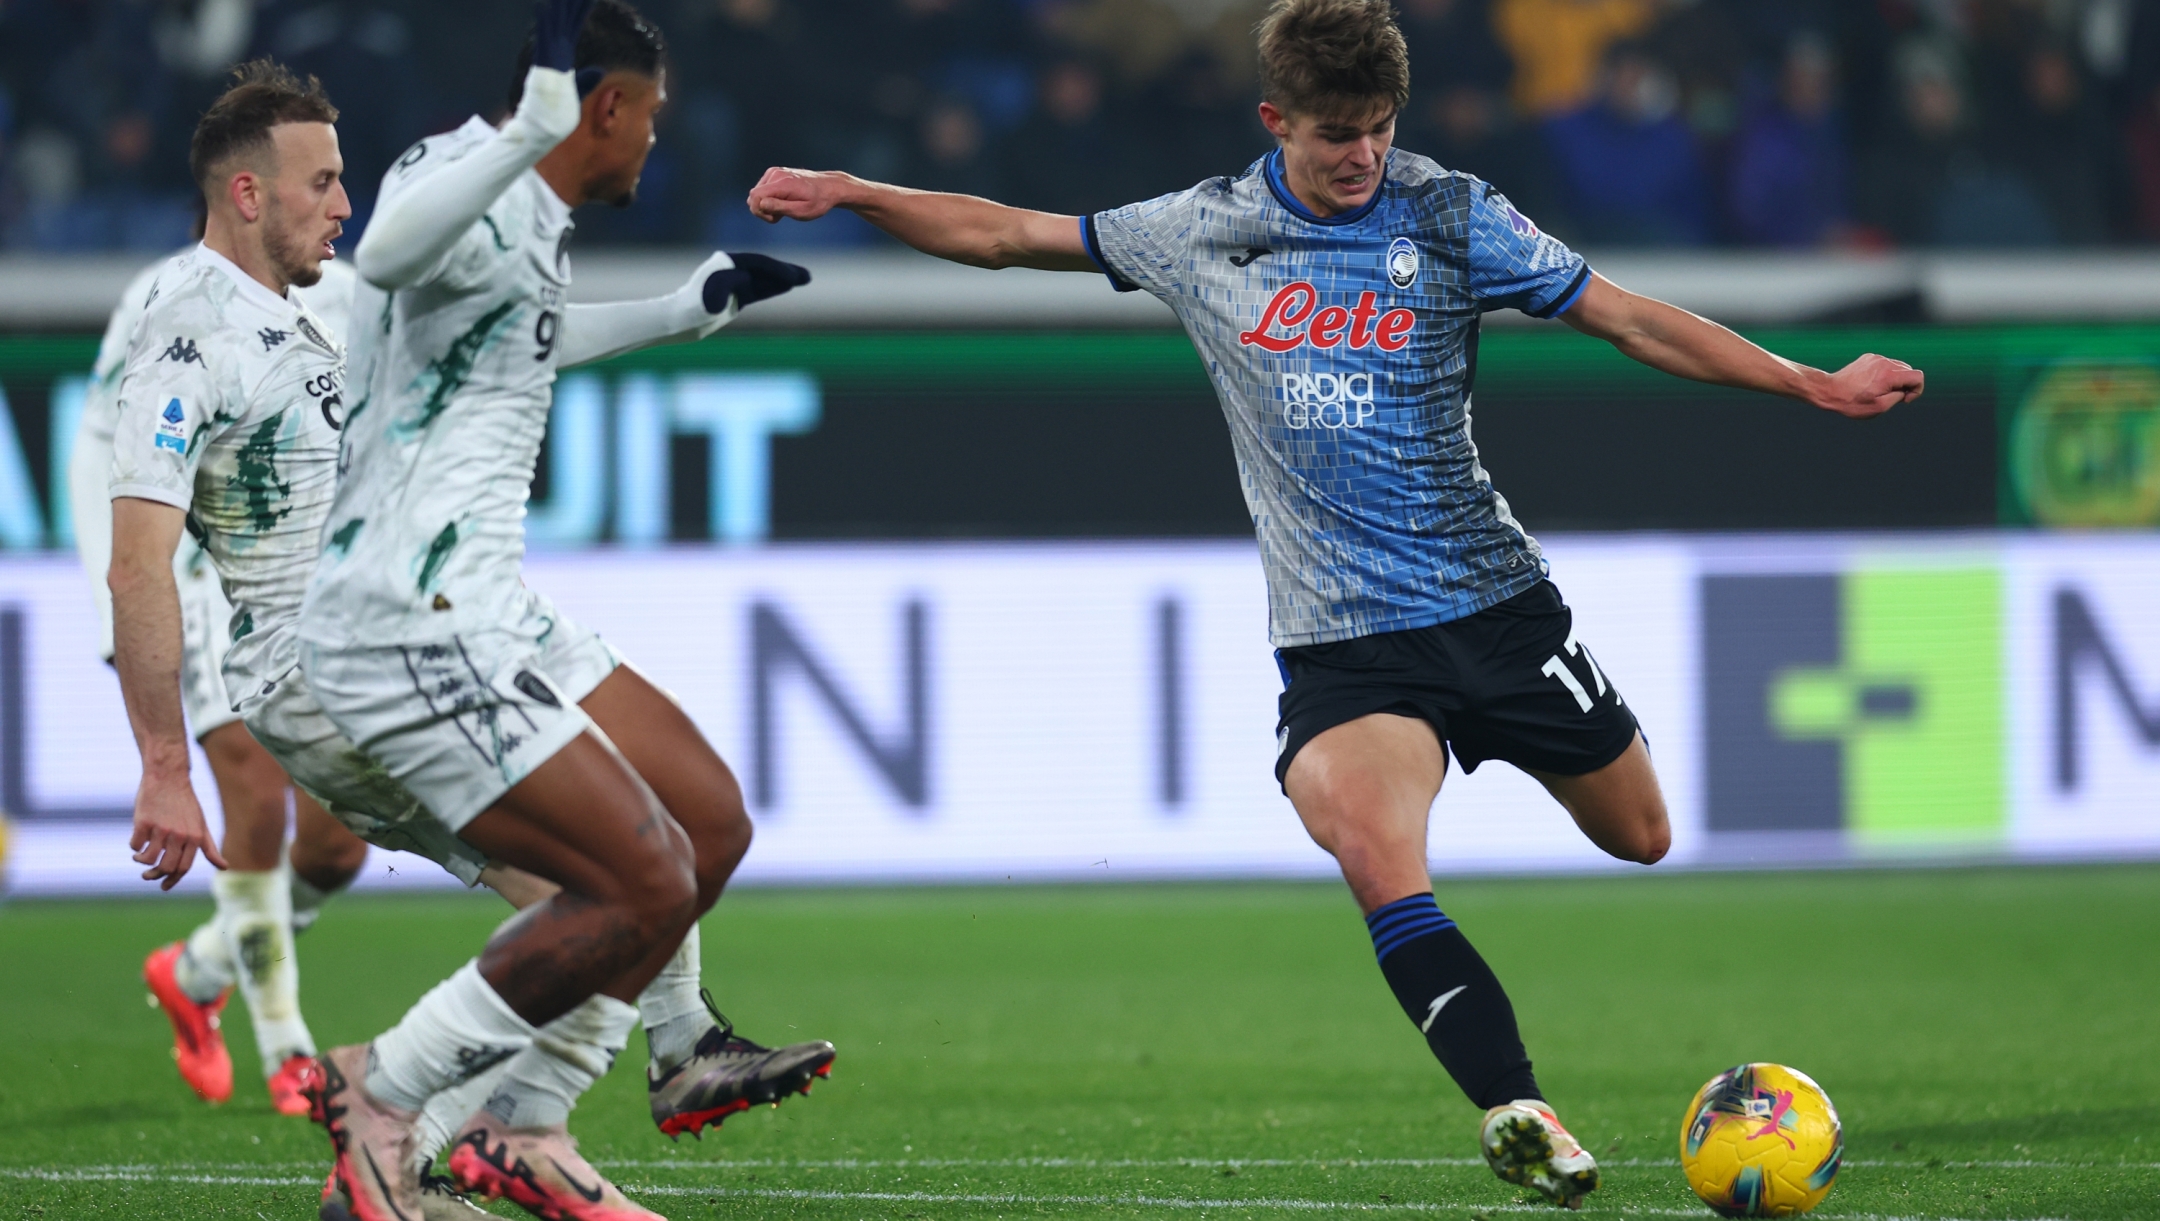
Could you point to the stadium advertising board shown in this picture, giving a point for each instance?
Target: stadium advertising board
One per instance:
(969, 434)
(919, 712)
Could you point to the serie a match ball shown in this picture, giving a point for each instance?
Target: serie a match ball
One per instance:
(1761, 1140)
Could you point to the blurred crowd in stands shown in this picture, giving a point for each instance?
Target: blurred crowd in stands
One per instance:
(1797, 124)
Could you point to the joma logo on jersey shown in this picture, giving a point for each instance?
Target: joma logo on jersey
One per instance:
(1327, 400)
(1297, 310)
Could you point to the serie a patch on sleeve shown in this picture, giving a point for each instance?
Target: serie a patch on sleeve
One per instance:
(172, 427)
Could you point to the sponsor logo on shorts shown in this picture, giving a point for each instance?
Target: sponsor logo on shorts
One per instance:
(536, 688)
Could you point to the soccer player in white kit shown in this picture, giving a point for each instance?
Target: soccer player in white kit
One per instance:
(269, 895)
(287, 473)
(425, 648)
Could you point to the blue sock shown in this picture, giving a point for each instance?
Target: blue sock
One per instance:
(1453, 998)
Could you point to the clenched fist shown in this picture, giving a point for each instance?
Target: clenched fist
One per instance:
(1870, 386)
(799, 194)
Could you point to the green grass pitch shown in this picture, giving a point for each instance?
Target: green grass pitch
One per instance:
(1198, 1051)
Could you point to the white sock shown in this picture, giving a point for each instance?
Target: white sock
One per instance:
(255, 917)
(307, 901)
(566, 1057)
(445, 1114)
(204, 968)
(674, 1015)
(460, 1029)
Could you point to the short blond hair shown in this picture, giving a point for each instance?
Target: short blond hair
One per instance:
(1333, 57)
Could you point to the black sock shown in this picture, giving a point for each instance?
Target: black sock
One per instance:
(1453, 997)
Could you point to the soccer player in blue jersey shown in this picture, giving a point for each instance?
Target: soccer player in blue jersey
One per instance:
(1333, 289)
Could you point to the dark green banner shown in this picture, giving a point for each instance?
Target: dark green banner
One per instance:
(754, 435)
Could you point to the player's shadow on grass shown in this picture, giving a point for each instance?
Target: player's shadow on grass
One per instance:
(1998, 1135)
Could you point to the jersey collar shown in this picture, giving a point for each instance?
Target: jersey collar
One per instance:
(1271, 169)
(250, 287)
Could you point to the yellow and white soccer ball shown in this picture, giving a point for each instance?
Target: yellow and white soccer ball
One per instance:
(1761, 1140)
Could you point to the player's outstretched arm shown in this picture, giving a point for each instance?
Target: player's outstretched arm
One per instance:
(962, 228)
(722, 287)
(413, 228)
(1680, 343)
(169, 827)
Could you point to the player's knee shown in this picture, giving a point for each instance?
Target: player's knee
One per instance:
(664, 895)
(1647, 838)
(729, 841)
(328, 869)
(719, 836)
(331, 866)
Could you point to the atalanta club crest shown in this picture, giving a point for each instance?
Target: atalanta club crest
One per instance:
(1402, 262)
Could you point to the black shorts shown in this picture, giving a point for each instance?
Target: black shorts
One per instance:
(1510, 682)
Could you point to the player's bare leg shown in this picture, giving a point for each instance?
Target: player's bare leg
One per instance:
(1619, 806)
(664, 746)
(1364, 790)
(700, 1070)
(585, 821)
(249, 941)
(324, 855)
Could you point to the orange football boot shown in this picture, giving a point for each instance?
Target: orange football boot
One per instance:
(198, 1047)
(289, 1086)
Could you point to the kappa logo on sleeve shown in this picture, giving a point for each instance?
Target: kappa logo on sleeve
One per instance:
(183, 351)
(172, 428)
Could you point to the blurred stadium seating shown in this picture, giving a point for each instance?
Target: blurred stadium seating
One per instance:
(1796, 124)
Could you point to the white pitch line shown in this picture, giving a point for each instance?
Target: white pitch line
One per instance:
(1040, 1163)
(1210, 1163)
(132, 1175)
(1077, 1163)
(1229, 1205)
(144, 1174)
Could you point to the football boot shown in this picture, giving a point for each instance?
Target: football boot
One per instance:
(1525, 1144)
(539, 1170)
(727, 1073)
(374, 1142)
(440, 1199)
(198, 1045)
(290, 1084)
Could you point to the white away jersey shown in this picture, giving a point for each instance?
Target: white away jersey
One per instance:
(1343, 351)
(330, 298)
(452, 378)
(228, 408)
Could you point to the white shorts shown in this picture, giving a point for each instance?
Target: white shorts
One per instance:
(355, 789)
(459, 722)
